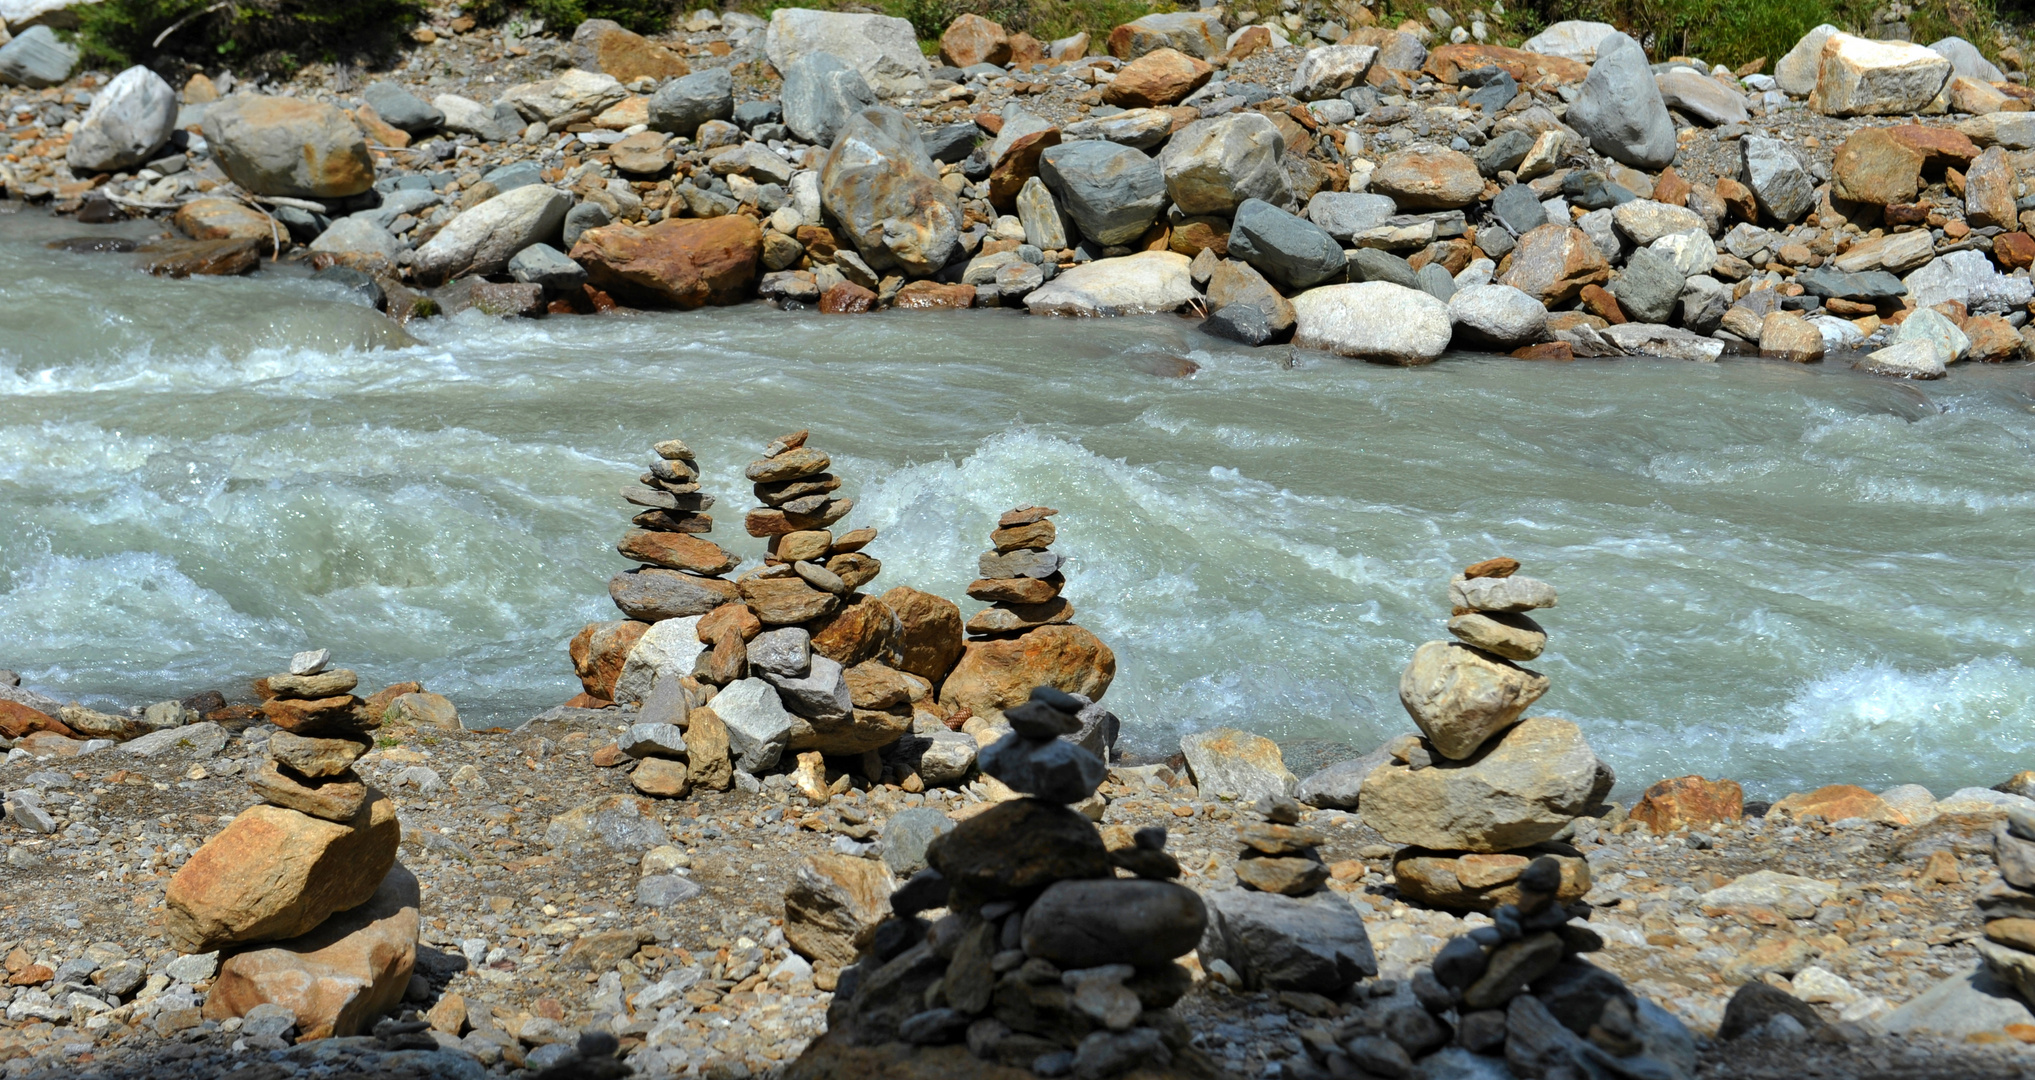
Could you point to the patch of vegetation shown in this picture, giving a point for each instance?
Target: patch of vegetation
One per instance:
(248, 35)
(1736, 32)
(562, 16)
(1043, 19)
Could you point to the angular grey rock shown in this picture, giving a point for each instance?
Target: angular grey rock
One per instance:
(1871, 285)
(1644, 221)
(1959, 1006)
(820, 694)
(583, 216)
(1341, 785)
(310, 661)
(666, 653)
(1777, 179)
(786, 652)
(1112, 192)
(1436, 281)
(1051, 769)
(1620, 110)
(1045, 228)
(758, 725)
(1503, 152)
(1521, 788)
(542, 264)
(1328, 70)
(466, 116)
(879, 184)
(1654, 339)
(36, 58)
(1314, 944)
(944, 757)
(1290, 250)
(1343, 214)
(1701, 97)
(1212, 166)
(1969, 278)
(358, 234)
(652, 740)
(1649, 286)
(949, 143)
(1518, 208)
(1245, 324)
(664, 890)
(1796, 72)
(906, 835)
(821, 93)
(1497, 316)
(616, 822)
(200, 740)
(1247, 766)
(1370, 264)
(1704, 302)
(1139, 128)
(884, 49)
(682, 105)
(129, 120)
(401, 109)
(1966, 60)
(483, 239)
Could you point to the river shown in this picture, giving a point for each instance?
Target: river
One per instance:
(1783, 574)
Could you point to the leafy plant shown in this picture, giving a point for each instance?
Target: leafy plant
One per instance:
(263, 35)
(642, 16)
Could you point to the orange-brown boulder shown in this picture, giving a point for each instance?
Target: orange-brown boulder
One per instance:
(971, 39)
(601, 45)
(1993, 339)
(339, 977)
(1553, 262)
(224, 219)
(926, 295)
(996, 675)
(1689, 801)
(681, 263)
(1473, 882)
(847, 298)
(1838, 802)
(1019, 163)
(598, 652)
(929, 639)
(17, 720)
(1160, 77)
(1448, 62)
(1876, 166)
(735, 617)
(862, 628)
(274, 873)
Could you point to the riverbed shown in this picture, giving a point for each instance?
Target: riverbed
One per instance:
(1790, 575)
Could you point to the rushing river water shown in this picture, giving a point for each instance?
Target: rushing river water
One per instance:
(1788, 575)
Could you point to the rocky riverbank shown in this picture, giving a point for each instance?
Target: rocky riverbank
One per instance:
(1374, 192)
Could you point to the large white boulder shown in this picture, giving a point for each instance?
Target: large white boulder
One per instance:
(1147, 283)
(884, 49)
(483, 239)
(1796, 72)
(1374, 320)
(1857, 77)
(1571, 39)
(131, 119)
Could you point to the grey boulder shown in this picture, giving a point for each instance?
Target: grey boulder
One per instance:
(1315, 944)
(36, 58)
(820, 694)
(682, 105)
(484, 238)
(131, 119)
(1701, 97)
(402, 109)
(1648, 287)
(542, 264)
(759, 728)
(1620, 110)
(1213, 166)
(1343, 214)
(1498, 316)
(906, 835)
(1112, 192)
(1290, 250)
(1777, 179)
(820, 94)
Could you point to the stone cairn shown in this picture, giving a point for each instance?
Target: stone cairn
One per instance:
(1280, 854)
(1046, 959)
(1020, 578)
(1515, 998)
(1515, 786)
(312, 869)
(681, 573)
(2008, 905)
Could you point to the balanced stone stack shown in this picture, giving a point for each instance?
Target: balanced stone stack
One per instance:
(1280, 854)
(1046, 959)
(1020, 577)
(1512, 787)
(1515, 998)
(681, 574)
(311, 871)
(1281, 929)
(2008, 905)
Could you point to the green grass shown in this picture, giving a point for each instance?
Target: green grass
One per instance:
(261, 35)
(1043, 19)
(561, 16)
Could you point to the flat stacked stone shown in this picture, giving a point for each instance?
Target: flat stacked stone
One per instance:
(312, 868)
(2008, 905)
(1515, 998)
(1513, 786)
(1045, 959)
(681, 574)
(1280, 854)
(1020, 577)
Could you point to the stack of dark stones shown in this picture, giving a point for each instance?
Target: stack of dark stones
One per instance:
(1515, 998)
(681, 574)
(1045, 959)
(2008, 905)
(1019, 576)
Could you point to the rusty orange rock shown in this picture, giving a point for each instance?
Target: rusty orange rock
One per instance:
(676, 551)
(932, 295)
(1448, 62)
(929, 637)
(1554, 262)
(274, 873)
(1689, 801)
(996, 675)
(1876, 166)
(600, 649)
(680, 263)
(337, 979)
(1019, 163)
(1160, 77)
(862, 628)
(971, 39)
(17, 720)
(1838, 802)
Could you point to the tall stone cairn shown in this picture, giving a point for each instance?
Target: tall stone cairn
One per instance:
(313, 867)
(1020, 576)
(680, 574)
(1515, 998)
(2008, 905)
(1046, 960)
(1514, 786)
